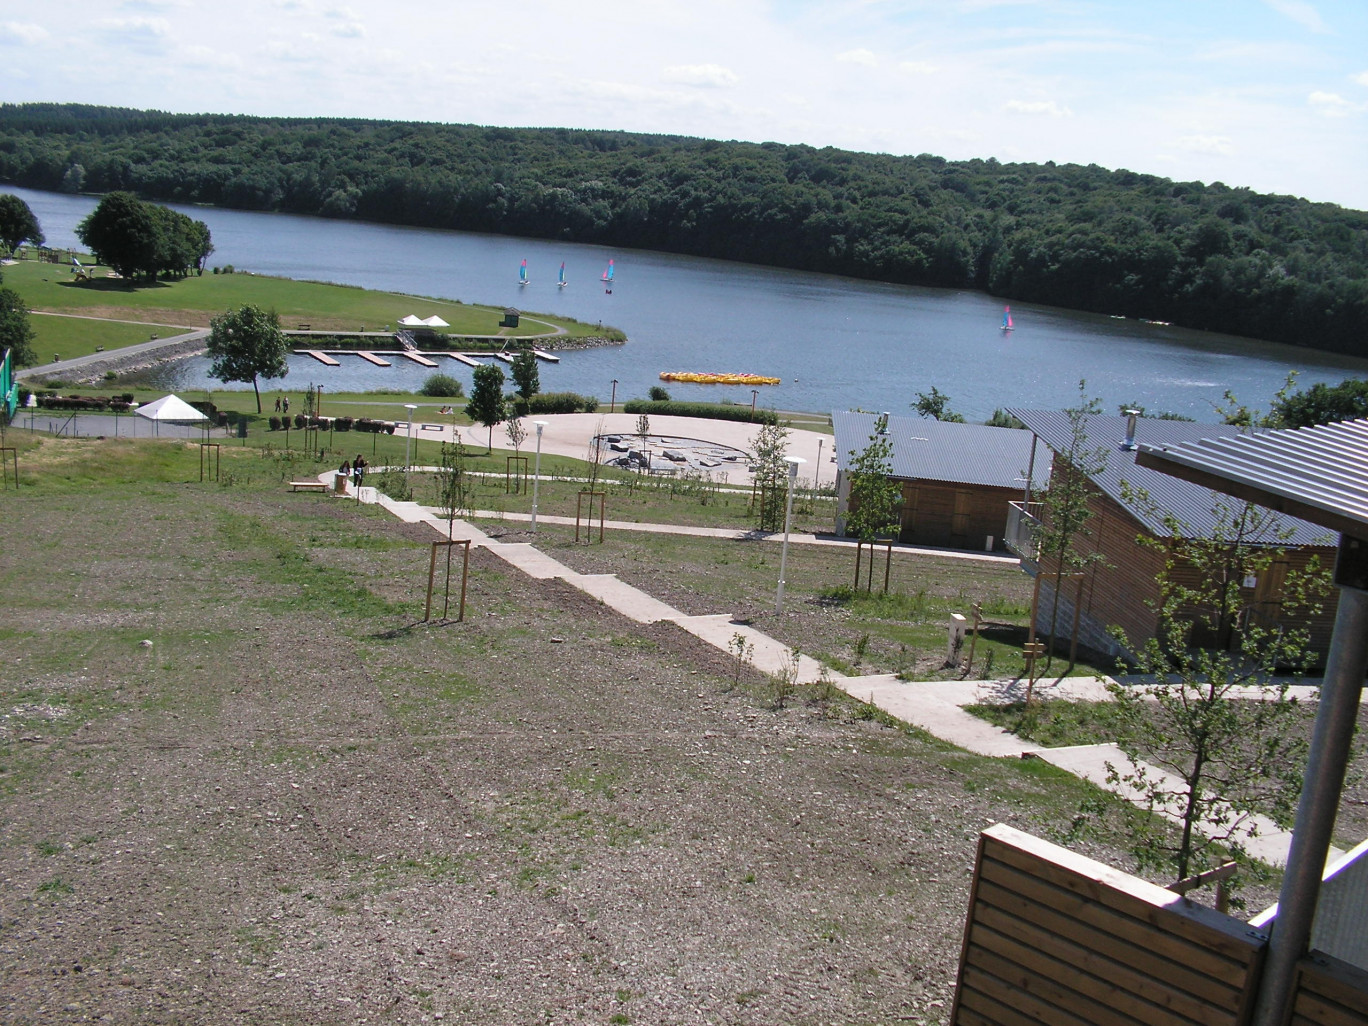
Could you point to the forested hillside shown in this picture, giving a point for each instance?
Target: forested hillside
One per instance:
(1114, 242)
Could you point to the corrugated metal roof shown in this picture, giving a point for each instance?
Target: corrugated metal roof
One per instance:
(1317, 473)
(1192, 504)
(931, 450)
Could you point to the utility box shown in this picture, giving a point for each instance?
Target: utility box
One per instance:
(510, 318)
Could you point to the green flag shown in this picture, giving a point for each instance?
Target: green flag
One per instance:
(9, 388)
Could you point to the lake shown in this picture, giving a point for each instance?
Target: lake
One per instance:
(837, 343)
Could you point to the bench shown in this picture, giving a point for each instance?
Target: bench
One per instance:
(308, 486)
(306, 327)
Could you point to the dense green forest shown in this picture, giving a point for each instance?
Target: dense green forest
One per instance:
(1115, 242)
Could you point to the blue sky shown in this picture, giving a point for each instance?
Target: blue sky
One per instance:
(1270, 94)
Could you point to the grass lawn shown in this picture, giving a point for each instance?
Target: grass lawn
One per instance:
(243, 783)
(194, 300)
(67, 337)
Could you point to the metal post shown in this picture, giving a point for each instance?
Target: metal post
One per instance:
(817, 470)
(1345, 667)
(755, 394)
(408, 440)
(612, 403)
(536, 472)
(794, 462)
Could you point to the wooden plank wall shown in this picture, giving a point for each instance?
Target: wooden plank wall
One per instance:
(1056, 939)
(1330, 993)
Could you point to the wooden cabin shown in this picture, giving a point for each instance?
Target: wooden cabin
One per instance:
(958, 480)
(1119, 589)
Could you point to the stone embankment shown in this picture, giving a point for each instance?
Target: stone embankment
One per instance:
(92, 370)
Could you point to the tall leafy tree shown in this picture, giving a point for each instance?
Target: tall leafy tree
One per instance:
(936, 405)
(17, 224)
(247, 343)
(487, 405)
(525, 374)
(1323, 404)
(122, 232)
(16, 334)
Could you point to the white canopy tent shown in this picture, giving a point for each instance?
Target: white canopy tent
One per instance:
(435, 322)
(412, 320)
(170, 409)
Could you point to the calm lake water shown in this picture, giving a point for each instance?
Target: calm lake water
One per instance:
(837, 343)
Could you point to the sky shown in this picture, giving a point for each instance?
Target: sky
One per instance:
(1268, 94)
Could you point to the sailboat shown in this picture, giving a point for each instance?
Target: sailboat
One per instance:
(1007, 324)
(522, 272)
(608, 279)
(560, 277)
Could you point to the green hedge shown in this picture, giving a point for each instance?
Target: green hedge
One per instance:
(553, 402)
(712, 411)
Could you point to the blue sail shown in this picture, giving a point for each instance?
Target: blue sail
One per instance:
(522, 273)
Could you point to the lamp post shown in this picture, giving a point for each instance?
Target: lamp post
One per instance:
(536, 473)
(612, 403)
(408, 440)
(755, 394)
(794, 462)
(817, 470)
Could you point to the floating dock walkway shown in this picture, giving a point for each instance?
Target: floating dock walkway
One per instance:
(322, 358)
(372, 358)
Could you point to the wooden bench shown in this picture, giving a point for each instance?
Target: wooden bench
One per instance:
(306, 327)
(308, 486)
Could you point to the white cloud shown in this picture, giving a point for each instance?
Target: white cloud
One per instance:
(860, 56)
(146, 34)
(918, 68)
(1220, 145)
(342, 13)
(1361, 78)
(305, 51)
(1333, 105)
(350, 30)
(209, 57)
(1048, 107)
(1301, 12)
(21, 33)
(701, 75)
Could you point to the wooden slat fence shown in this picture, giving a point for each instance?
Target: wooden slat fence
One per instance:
(1330, 993)
(1056, 939)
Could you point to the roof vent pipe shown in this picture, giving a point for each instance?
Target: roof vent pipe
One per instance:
(1129, 444)
(883, 423)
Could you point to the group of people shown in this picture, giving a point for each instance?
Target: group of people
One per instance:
(356, 469)
(282, 404)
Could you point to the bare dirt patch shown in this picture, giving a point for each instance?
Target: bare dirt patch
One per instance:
(299, 805)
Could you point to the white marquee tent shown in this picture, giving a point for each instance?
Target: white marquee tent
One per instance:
(171, 409)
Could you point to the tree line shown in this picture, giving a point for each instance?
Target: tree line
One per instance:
(1113, 242)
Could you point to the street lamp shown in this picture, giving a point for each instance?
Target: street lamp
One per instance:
(612, 403)
(794, 462)
(408, 439)
(755, 394)
(536, 473)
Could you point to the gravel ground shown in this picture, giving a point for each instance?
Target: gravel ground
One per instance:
(297, 805)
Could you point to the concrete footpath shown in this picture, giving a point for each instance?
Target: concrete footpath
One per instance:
(934, 706)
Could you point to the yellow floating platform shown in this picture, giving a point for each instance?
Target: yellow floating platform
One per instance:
(718, 379)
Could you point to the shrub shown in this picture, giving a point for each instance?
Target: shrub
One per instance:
(274, 422)
(658, 394)
(301, 421)
(561, 402)
(713, 411)
(344, 423)
(443, 386)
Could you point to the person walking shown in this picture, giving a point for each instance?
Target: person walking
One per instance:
(358, 469)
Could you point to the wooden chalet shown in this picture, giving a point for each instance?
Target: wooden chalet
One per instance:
(1119, 589)
(958, 480)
